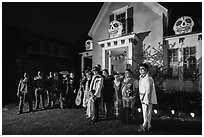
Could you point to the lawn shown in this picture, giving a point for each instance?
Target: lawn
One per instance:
(73, 122)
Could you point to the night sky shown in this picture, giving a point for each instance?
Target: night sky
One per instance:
(71, 21)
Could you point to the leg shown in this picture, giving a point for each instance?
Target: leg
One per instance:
(37, 99)
(20, 110)
(96, 111)
(43, 92)
(30, 103)
(149, 115)
(48, 98)
(144, 111)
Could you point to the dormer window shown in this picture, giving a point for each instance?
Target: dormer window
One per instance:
(125, 16)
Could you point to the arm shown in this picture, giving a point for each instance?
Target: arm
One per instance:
(148, 90)
(19, 86)
(100, 86)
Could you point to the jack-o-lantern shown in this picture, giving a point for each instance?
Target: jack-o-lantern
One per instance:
(115, 29)
(89, 44)
(183, 25)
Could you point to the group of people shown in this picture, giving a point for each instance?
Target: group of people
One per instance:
(54, 87)
(102, 93)
(117, 93)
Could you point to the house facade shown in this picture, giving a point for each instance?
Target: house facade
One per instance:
(123, 32)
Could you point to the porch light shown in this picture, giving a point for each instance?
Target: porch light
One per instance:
(172, 112)
(192, 114)
(139, 110)
(155, 111)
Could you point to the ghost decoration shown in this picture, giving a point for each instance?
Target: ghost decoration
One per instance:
(115, 29)
(183, 25)
(89, 45)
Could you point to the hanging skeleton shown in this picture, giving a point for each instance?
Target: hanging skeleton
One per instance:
(183, 25)
(115, 29)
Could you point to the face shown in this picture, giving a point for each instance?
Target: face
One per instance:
(117, 77)
(105, 74)
(88, 75)
(142, 70)
(127, 74)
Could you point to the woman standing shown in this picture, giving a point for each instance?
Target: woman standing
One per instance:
(108, 92)
(118, 95)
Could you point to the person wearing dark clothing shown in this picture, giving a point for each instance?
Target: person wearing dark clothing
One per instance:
(49, 81)
(64, 98)
(108, 92)
(72, 87)
(118, 95)
(24, 91)
(39, 82)
(55, 92)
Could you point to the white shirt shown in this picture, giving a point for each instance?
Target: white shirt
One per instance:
(147, 90)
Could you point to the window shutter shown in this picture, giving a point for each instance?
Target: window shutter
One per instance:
(111, 18)
(129, 20)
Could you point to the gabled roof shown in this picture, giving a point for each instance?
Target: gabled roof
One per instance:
(156, 7)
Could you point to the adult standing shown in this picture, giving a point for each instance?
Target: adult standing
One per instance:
(56, 89)
(49, 88)
(147, 96)
(95, 88)
(117, 95)
(108, 92)
(72, 87)
(39, 82)
(129, 92)
(24, 91)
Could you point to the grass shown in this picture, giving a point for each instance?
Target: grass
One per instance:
(73, 122)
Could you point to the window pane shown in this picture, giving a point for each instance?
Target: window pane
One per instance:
(192, 50)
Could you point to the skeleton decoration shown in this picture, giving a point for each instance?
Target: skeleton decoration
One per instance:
(115, 29)
(89, 44)
(183, 25)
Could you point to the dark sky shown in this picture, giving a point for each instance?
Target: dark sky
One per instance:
(71, 21)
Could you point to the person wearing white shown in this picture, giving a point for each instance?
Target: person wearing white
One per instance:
(95, 88)
(147, 96)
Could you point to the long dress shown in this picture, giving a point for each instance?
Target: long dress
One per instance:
(88, 101)
(117, 98)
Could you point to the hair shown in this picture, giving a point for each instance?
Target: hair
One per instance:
(145, 66)
(105, 71)
(129, 70)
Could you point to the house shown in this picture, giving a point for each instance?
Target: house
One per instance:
(124, 31)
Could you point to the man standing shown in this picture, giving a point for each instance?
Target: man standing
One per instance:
(25, 90)
(95, 88)
(39, 83)
(147, 96)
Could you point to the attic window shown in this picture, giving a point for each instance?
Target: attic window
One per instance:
(125, 16)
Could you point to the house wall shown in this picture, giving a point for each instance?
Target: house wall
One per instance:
(145, 19)
(190, 40)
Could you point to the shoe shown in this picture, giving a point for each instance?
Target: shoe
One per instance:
(19, 113)
(30, 111)
(149, 128)
(141, 129)
(94, 120)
